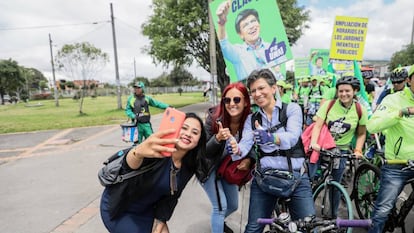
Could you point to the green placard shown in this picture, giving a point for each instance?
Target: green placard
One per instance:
(251, 36)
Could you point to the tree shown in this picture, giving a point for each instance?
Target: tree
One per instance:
(178, 33)
(11, 78)
(81, 60)
(404, 57)
(179, 76)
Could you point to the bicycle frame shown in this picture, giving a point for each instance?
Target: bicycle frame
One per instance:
(310, 224)
(327, 188)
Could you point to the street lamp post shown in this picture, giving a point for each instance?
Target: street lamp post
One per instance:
(213, 59)
(53, 73)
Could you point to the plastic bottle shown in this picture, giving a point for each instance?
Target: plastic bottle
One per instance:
(371, 152)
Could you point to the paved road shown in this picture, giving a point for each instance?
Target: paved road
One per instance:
(49, 183)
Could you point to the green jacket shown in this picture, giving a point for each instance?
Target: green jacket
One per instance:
(398, 131)
(316, 93)
(302, 92)
(287, 97)
(146, 101)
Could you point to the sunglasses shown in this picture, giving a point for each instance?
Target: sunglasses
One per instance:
(399, 82)
(227, 100)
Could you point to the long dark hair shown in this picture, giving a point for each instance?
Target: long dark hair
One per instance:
(221, 113)
(195, 154)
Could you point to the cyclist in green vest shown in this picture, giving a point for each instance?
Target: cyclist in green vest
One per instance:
(315, 95)
(137, 109)
(398, 79)
(285, 90)
(301, 94)
(394, 118)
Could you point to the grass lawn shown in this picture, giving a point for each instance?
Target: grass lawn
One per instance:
(44, 115)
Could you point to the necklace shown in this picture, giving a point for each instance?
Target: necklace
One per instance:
(173, 178)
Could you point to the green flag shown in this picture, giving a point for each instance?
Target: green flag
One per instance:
(362, 94)
(331, 71)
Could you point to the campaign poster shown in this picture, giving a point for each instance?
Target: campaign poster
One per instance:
(318, 62)
(342, 66)
(279, 71)
(348, 38)
(301, 67)
(251, 36)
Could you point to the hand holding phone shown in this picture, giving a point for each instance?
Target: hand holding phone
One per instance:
(172, 119)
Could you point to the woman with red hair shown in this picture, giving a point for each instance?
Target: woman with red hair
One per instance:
(224, 123)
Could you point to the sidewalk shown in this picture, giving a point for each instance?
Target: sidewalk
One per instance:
(192, 214)
(50, 182)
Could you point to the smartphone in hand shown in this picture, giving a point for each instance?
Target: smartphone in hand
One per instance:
(172, 119)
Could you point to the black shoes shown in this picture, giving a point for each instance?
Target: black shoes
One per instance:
(227, 229)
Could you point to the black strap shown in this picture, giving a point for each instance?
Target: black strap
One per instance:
(259, 151)
(218, 194)
(282, 119)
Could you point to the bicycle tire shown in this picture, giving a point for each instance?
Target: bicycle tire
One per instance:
(323, 203)
(365, 189)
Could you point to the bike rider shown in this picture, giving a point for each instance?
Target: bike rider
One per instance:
(398, 79)
(343, 122)
(393, 117)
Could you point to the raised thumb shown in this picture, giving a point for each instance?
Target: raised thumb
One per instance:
(220, 125)
(257, 125)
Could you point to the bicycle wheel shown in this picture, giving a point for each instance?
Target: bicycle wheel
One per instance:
(324, 207)
(365, 189)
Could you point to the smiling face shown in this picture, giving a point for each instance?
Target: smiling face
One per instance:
(345, 93)
(237, 103)
(249, 29)
(319, 62)
(262, 93)
(189, 135)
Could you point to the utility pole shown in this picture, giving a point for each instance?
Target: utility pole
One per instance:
(412, 33)
(118, 83)
(213, 59)
(135, 69)
(53, 73)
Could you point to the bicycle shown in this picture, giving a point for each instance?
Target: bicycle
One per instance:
(283, 224)
(281, 206)
(396, 219)
(366, 184)
(326, 187)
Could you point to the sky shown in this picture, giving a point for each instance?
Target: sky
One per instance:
(25, 27)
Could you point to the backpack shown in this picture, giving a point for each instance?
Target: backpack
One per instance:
(109, 174)
(319, 91)
(297, 150)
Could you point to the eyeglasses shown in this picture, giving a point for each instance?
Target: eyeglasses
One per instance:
(399, 82)
(227, 100)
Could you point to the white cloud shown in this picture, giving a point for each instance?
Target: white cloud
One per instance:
(389, 27)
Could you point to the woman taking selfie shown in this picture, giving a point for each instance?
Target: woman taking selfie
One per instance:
(144, 203)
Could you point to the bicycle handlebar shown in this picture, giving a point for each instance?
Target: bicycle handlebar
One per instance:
(361, 223)
(336, 153)
(313, 224)
(409, 163)
(266, 221)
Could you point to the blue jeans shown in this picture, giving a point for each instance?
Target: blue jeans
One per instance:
(262, 204)
(392, 183)
(229, 199)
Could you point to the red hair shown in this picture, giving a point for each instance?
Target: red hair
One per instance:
(221, 113)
